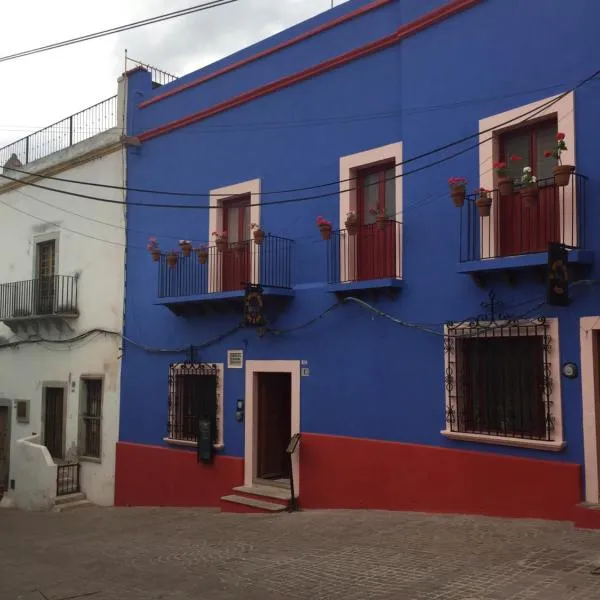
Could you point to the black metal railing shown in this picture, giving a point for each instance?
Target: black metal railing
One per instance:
(499, 380)
(76, 128)
(215, 270)
(67, 479)
(365, 253)
(159, 77)
(518, 226)
(42, 297)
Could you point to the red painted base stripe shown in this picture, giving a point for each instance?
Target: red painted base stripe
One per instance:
(427, 20)
(295, 40)
(338, 472)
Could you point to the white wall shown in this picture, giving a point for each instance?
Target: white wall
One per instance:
(99, 264)
(34, 468)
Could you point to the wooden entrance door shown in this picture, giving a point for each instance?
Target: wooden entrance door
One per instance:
(376, 245)
(54, 421)
(4, 447)
(236, 260)
(274, 424)
(596, 355)
(45, 272)
(523, 229)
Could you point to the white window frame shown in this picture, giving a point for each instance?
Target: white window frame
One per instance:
(555, 392)
(490, 130)
(219, 444)
(218, 197)
(349, 167)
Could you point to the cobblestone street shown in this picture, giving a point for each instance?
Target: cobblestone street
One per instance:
(170, 554)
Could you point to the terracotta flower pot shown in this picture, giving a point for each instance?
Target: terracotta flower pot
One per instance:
(381, 221)
(458, 195)
(202, 255)
(171, 260)
(562, 174)
(484, 205)
(221, 245)
(351, 226)
(529, 195)
(259, 236)
(325, 231)
(186, 249)
(505, 186)
(155, 255)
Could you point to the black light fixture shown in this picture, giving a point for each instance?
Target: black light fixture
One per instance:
(570, 370)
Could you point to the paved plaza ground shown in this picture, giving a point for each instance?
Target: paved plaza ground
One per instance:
(171, 554)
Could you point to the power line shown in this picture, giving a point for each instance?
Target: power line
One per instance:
(120, 28)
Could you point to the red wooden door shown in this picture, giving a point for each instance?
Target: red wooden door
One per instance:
(274, 425)
(523, 229)
(376, 243)
(236, 259)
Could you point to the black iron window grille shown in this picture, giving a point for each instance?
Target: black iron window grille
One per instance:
(498, 378)
(92, 418)
(194, 395)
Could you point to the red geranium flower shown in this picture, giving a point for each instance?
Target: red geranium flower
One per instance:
(516, 157)
(547, 154)
(560, 136)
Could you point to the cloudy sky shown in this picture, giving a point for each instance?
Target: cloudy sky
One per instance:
(43, 88)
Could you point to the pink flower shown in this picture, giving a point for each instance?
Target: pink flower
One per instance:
(499, 165)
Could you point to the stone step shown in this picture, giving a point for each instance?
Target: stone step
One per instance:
(246, 504)
(72, 505)
(265, 491)
(69, 498)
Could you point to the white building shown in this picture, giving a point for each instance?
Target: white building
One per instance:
(61, 309)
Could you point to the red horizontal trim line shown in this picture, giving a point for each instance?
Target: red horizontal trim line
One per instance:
(295, 40)
(405, 31)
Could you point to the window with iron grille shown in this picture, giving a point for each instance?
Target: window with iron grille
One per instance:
(91, 418)
(498, 381)
(194, 395)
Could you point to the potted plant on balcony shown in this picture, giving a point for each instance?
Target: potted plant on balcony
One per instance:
(505, 183)
(258, 233)
(202, 254)
(172, 258)
(220, 240)
(380, 216)
(186, 247)
(483, 202)
(562, 173)
(458, 190)
(325, 227)
(351, 222)
(529, 191)
(153, 248)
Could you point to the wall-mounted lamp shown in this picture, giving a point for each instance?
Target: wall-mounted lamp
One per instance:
(239, 411)
(570, 370)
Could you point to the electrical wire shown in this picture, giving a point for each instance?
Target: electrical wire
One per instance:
(136, 24)
(528, 114)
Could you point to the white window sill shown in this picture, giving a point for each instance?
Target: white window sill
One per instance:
(189, 443)
(504, 441)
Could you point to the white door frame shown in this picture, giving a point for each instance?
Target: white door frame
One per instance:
(250, 421)
(590, 394)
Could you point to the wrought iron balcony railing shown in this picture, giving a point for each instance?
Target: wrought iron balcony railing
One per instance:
(517, 224)
(212, 270)
(38, 298)
(369, 252)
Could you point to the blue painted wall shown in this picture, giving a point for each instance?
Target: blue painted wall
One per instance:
(368, 377)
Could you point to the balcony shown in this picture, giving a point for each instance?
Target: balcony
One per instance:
(217, 279)
(25, 306)
(366, 260)
(514, 236)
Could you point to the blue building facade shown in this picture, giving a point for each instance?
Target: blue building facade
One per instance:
(308, 271)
